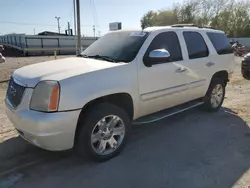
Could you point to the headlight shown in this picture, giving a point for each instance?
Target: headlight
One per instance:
(45, 96)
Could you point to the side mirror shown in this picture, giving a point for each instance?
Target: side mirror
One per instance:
(157, 56)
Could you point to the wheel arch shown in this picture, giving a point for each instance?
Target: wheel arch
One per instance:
(123, 100)
(223, 74)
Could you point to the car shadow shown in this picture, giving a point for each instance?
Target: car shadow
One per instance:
(191, 149)
(199, 149)
(16, 152)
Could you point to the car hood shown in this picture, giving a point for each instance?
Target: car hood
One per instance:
(59, 69)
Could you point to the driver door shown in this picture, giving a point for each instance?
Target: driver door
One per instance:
(162, 83)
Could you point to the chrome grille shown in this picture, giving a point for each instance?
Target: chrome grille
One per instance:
(15, 93)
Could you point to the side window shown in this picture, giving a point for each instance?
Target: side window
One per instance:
(220, 43)
(196, 45)
(168, 41)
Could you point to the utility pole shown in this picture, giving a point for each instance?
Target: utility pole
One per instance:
(69, 29)
(34, 31)
(94, 30)
(58, 23)
(79, 46)
(74, 4)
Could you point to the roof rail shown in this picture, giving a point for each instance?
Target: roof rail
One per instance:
(184, 25)
(191, 25)
(207, 27)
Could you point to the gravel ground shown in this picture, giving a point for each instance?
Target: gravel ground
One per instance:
(6, 129)
(6, 69)
(12, 63)
(9, 146)
(238, 94)
(192, 149)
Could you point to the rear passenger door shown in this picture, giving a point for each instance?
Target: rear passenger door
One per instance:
(196, 60)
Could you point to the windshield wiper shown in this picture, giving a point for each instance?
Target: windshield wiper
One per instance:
(106, 58)
(82, 55)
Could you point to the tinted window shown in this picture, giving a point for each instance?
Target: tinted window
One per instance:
(220, 43)
(168, 41)
(120, 46)
(196, 45)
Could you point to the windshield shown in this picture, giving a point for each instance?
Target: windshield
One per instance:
(119, 46)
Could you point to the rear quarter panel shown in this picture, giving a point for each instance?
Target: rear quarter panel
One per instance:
(224, 62)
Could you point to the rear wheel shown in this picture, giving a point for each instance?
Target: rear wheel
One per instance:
(104, 132)
(215, 95)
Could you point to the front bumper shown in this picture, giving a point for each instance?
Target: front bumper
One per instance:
(50, 131)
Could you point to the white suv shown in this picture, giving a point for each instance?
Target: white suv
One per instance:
(90, 102)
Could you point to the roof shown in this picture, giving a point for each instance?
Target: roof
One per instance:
(186, 27)
(182, 27)
(49, 33)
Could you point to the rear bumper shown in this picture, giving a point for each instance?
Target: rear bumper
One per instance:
(50, 131)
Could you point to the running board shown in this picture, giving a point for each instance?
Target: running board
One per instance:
(167, 112)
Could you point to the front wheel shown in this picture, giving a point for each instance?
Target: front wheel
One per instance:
(215, 95)
(104, 132)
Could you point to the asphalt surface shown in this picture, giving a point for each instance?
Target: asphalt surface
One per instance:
(192, 149)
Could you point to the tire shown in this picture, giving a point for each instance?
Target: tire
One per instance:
(92, 129)
(245, 74)
(209, 104)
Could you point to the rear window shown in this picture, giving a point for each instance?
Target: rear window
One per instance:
(220, 43)
(196, 45)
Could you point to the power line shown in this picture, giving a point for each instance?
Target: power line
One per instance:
(98, 26)
(26, 23)
(35, 24)
(92, 9)
(92, 4)
(95, 13)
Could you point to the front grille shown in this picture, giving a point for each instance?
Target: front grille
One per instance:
(15, 93)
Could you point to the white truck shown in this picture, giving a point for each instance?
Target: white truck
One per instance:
(90, 102)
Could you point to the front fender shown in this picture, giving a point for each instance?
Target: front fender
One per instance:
(77, 91)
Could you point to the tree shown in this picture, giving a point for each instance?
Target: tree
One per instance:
(234, 19)
(188, 11)
(231, 16)
(165, 18)
(148, 19)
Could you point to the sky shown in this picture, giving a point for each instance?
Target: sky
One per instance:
(34, 16)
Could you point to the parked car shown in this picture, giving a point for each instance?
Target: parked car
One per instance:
(2, 58)
(126, 77)
(245, 67)
(239, 49)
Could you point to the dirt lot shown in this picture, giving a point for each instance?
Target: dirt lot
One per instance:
(192, 149)
(6, 69)
(12, 63)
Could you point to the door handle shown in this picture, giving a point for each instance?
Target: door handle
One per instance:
(210, 64)
(180, 70)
